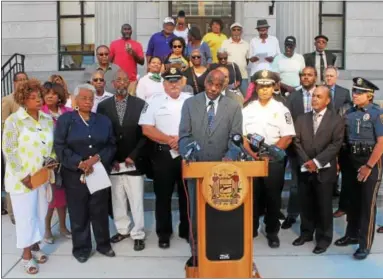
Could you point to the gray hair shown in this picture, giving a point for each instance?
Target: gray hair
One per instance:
(84, 86)
(334, 69)
(222, 51)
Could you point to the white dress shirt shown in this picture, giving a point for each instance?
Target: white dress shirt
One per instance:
(262, 50)
(216, 101)
(272, 121)
(319, 120)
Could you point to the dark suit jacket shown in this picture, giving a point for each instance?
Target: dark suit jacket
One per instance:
(129, 138)
(295, 104)
(215, 145)
(310, 58)
(342, 97)
(325, 144)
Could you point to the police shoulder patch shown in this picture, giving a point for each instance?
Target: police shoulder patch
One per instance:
(288, 118)
(145, 108)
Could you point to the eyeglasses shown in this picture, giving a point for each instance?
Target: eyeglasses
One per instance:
(98, 80)
(196, 57)
(103, 54)
(222, 58)
(177, 46)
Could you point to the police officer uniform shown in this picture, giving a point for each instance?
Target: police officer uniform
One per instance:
(164, 113)
(272, 121)
(363, 128)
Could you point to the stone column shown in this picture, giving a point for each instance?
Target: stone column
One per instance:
(298, 19)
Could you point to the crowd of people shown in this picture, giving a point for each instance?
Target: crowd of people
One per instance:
(196, 89)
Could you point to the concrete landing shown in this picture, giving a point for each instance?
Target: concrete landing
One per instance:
(286, 262)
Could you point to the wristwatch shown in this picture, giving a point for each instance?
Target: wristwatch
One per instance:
(368, 166)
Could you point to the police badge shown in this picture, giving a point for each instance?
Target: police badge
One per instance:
(366, 117)
(173, 71)
(359, 81)
(265, 73)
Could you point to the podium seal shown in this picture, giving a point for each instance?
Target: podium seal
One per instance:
(225, 187)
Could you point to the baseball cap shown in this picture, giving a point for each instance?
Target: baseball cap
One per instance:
(169, 20)
(236, 24)
(290, 40)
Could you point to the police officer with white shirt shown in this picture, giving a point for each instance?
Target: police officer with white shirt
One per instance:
(160, 120)
(265, 116)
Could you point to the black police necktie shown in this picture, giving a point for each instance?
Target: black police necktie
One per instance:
(321, 66)
(210, 115)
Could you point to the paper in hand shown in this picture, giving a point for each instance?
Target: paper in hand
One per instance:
(98, 179)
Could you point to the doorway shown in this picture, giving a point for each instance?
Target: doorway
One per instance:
(200, 13)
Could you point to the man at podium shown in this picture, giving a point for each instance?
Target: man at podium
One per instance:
(208, 119)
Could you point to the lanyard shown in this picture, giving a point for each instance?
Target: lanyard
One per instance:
(83, 120)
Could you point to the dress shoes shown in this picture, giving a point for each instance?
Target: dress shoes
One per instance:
(338, 213)
(302, 240)
(319, 250)
(110, 253)
(82, 257)
(139, 245)
(289, 221)
(346, 240)
(192, 262)
(281, 216)
(119, 237)
(164, 243)
(361, 253)
(273, 241)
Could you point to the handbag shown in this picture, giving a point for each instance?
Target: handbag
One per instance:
(195, 81)
(58, 177)
(237, 90)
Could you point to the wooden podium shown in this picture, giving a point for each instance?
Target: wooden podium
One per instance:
(224, 217)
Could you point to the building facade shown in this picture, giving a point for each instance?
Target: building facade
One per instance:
(61, 36)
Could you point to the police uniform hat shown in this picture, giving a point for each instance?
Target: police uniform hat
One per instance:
(264, 77)
(362, 85)
(173, 74)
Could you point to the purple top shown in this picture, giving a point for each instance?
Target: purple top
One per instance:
(159, 45)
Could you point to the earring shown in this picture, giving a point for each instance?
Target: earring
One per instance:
(76, 108)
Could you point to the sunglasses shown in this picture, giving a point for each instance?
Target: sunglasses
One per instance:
(103, 54)
(98, 79)
(177, 46)
(222, 58)
(196, 57)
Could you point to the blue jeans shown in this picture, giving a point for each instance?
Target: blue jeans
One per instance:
(243, 87)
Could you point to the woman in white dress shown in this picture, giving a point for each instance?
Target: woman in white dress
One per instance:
(151, 83)
(27, 141)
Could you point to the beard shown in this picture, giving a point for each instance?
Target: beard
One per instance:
(122, 92)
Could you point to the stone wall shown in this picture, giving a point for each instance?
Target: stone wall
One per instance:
(30, 28)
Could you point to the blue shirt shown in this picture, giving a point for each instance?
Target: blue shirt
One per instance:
(159, 45)
(204, 50)
(74, 141)
(364, 124)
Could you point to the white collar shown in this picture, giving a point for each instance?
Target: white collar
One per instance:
(321, 113)
(231, 41)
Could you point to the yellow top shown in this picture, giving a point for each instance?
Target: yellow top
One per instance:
(214, 42)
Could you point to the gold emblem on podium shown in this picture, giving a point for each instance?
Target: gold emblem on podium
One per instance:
(225, 187)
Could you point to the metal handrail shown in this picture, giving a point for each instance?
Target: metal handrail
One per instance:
(13, 65)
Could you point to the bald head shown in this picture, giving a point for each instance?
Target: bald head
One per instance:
(225, 71)
(214, 83)
(126, 31)
(321, 98)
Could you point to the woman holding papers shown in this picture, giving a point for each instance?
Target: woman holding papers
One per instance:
(27, 141)
(85, 146)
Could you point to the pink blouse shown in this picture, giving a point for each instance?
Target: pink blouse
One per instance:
(63, 109)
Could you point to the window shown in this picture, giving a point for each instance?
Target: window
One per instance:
(75, 34)
(203, 8)
(332, 24)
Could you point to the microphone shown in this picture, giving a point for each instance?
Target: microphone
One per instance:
(257, 144)
(237, 139)
(191, 149)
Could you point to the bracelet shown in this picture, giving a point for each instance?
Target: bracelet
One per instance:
(368, 166)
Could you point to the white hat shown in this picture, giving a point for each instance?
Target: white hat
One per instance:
(235, 24)
(169, 20)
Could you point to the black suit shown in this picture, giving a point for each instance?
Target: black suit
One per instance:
(129, 138)
(341, 97)
(310, 58)
(315, 189)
